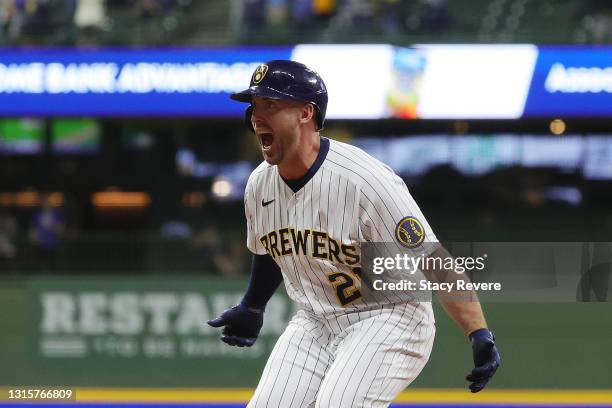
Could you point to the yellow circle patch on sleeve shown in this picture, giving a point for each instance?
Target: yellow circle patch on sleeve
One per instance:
(410, 232)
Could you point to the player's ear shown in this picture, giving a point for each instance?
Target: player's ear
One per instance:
(307, 113)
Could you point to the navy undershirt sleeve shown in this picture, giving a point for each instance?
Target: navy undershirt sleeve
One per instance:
(265, 278)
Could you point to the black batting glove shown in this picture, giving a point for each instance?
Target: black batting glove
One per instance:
(486, 359)
(241, 325)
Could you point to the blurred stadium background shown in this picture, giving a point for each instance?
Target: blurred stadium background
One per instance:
(121, 216)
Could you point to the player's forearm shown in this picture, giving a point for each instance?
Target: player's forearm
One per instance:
(462, 305)
(467, 314)
(264, 280)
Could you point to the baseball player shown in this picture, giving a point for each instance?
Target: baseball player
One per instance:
(309, 207)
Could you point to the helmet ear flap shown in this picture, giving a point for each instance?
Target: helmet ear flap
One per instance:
(247, 118)
(320, 119)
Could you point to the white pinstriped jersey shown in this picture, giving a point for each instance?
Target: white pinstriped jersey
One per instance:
(314, 234)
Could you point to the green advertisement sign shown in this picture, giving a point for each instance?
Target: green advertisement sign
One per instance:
(132, 331)
(131, 319)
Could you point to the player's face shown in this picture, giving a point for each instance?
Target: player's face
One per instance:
(276, 123)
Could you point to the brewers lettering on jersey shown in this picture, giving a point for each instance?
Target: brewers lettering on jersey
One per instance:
(310, 205)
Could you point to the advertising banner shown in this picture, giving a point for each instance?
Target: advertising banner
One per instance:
(127, 82)
(571, 81)
(371, 81)
(125, 327)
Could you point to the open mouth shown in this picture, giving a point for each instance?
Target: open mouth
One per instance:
(266, 139)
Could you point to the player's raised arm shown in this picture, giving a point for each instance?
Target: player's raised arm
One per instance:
(463, 306)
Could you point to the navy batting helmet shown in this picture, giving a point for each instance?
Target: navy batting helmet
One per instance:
(284, 79)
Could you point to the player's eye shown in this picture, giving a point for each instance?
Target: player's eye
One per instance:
(259, 106)
(265, 105)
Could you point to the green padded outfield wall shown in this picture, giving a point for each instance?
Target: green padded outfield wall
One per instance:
(150, 331)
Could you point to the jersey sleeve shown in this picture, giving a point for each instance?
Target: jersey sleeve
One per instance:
(389, 214)
(250, 211)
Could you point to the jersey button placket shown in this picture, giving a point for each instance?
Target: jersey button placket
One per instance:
(291, 210)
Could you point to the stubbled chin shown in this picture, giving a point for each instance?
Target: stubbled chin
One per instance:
(269, 156)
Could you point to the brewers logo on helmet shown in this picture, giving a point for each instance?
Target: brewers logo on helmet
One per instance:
(284, 79)
(259, 73)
